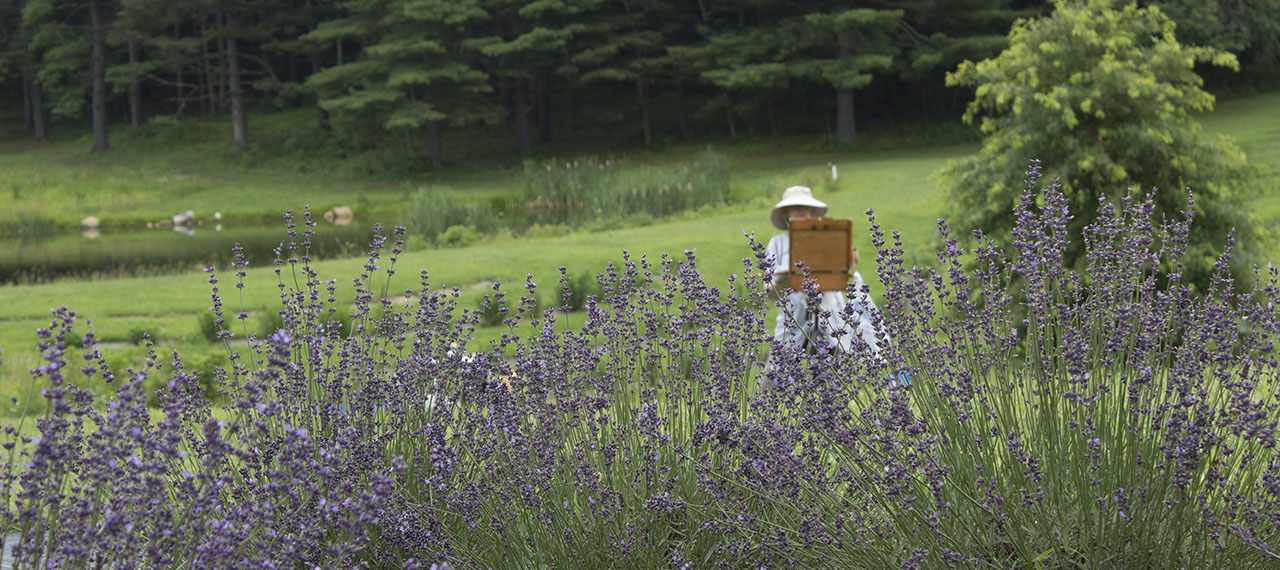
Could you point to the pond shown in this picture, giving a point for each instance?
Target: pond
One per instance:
(136, 252)
(151, 251)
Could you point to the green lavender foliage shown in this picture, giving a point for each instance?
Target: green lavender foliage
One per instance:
(1128, 424)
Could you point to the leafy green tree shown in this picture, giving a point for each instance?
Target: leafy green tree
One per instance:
(1104, 98)
(1248, 28)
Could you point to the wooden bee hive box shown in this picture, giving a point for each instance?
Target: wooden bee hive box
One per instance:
(824, 246)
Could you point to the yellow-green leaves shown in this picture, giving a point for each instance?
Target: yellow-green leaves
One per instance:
(1103, 96)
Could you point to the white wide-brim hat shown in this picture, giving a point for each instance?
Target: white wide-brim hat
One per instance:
(795, 196)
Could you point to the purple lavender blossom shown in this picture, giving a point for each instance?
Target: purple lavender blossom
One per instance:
(1111, 416)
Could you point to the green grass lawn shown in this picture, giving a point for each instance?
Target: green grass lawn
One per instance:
(898, 185)
(1254, 123)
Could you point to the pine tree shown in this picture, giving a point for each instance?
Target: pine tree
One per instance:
(526, 45)
(413, 71)
(844, 47)
(68, 39)
(936, 35)
(623, 44)
(58, 55)
(15, 64)
(98, 16)
(290, 27)
(763, 46)
(136, 26)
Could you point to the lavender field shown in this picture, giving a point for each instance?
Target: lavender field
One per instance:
(1110, 418)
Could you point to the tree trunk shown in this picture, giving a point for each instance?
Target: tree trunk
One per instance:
(26, 103)
(644, 113)
(684, 123)
(181, 89)
(505, 98)
(206, 74)
(37, 114)
(408, 142)
(522, 116)
(773, 122)
(223, 96)
(728, 112)
(98, 68)
(572, 109)
(544, 107)
(434, 147)
(237, 93)
(135, 88)
(322, 116)
(846, 130)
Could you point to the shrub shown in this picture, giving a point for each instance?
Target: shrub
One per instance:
(142, 333)
(340, 319)
(547, 231)
(491, 311)
(1128, 423)
(208, 327)
(819, 181)
(270, 322)
(459, 236)
(579, 289)
(1066, 91)
(202, 368)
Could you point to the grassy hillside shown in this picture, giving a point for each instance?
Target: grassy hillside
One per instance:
(898, 184)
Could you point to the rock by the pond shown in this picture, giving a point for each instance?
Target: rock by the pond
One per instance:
(339, 216)
(184, 218)
(89, 222)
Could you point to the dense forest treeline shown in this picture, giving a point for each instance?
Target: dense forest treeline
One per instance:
(413, 69)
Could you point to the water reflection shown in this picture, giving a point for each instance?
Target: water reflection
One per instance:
(154, 250)
(96, 253)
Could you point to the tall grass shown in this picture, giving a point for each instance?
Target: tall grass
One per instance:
(433, 210)
(613, 189)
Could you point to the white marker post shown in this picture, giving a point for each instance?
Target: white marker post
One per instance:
(834, 175)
